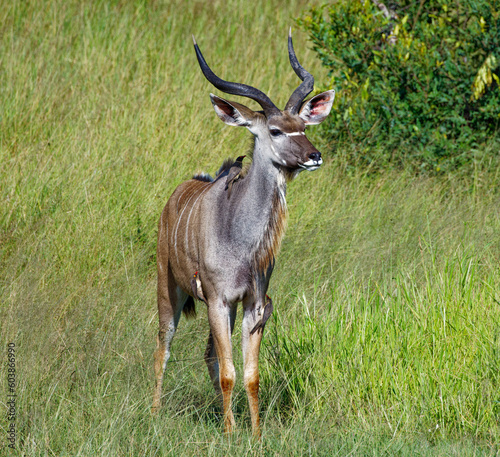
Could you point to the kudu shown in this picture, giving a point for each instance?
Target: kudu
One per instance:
(221, 248)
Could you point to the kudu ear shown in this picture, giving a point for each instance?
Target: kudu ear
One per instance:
(232, 113)
(314, 111)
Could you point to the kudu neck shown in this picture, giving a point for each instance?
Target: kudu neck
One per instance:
(264, 173)
(264, 213)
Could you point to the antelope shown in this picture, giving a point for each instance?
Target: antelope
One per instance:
(220, 248)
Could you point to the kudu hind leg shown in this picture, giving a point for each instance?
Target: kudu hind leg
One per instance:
(220, 317)
(161, 356)
(213, 366)
(169, 310)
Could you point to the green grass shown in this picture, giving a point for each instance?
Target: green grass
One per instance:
(385, 337)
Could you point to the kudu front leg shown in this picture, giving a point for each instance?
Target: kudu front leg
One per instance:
(211, 359)
(251, 348)
(219, 318)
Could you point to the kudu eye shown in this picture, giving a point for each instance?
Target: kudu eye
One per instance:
(275, 132)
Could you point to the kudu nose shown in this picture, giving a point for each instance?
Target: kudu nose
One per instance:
(316, 156)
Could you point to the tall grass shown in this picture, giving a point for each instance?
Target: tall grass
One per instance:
(385, 333)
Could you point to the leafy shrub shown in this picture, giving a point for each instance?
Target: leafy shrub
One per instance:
(417, 82)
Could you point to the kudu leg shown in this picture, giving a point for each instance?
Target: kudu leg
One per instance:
(251, 349)
(213, 366)
(169, 309)
(161, 356)
(219, 317)
(211, 358)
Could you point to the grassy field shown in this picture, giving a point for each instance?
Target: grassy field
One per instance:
(386, 334)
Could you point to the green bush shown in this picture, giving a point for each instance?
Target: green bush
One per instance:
(417, 83)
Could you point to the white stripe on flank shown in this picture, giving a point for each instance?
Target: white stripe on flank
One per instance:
(189, 217)
(172, 235)
(180, 196)
(179, 222)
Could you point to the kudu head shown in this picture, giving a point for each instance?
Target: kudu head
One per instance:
(280, 133)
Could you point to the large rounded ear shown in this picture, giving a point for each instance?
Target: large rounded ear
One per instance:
(314, 111)
(232, 113)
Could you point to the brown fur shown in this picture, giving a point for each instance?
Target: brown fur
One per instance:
(270, 244)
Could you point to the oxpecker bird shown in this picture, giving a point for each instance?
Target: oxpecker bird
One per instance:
(234, 174)
(268, 310)
(196, 287)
